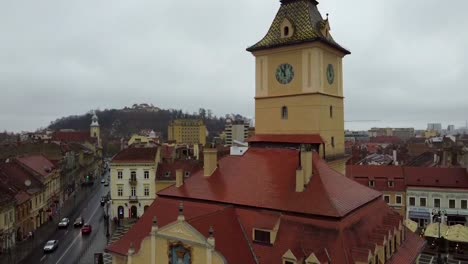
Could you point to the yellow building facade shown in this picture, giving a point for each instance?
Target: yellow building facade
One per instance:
(187, 131)
(7, 224)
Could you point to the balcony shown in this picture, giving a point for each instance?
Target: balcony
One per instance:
(132, 181)
(133, 199)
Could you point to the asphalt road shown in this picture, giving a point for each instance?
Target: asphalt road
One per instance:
(74, 247)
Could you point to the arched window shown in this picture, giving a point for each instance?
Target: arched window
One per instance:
(331, 111)
(284, 112)
(286, 31)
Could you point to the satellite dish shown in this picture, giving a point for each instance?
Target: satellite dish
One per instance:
(27, 183)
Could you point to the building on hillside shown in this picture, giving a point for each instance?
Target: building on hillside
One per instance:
(236, 130)
(278, 201)
(133, 181)
(187, 131)
(386, 179)
(7, 219)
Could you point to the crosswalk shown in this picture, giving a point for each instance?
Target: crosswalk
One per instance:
(118, 233)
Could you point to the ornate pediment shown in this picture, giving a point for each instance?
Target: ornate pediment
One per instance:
(182, 231)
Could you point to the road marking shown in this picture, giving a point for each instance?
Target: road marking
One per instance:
(74, 240)
(43, 257)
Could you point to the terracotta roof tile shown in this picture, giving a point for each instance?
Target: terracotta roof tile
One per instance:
(266, 178)
(37, 163)
(187, 166)
(381, 175)
(298, 139)
(409, 251)
(136, 155)
(72, 136)
(436, 177)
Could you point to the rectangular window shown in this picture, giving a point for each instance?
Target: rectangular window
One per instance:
(422, 202)
(146, 174)
(398, 199)
(119, 190)
(386, 198)
(133, 191)
(371, 183)
(262, 236)
(133, 175)
(119, 174)
(391, 184)
(451, 203)
(412, 201)
(146, 189)
(463, 204)
(333, 141)
(436, 202)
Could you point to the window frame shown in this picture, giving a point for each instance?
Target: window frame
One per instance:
(454, 203)
(119, 174)
(386, 196)
(420, 201)
(120, 190)
(401, 199)
(461, 204)
(371, 183)
(391, 183)
(284, 112)
(146, 189)
(146, 174)
(409, 201)
(435, 205)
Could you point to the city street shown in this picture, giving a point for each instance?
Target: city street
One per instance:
(73, 246)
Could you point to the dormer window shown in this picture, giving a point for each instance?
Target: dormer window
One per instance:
(391, 184)
(371, 183)
(262, 236)
(286, 28)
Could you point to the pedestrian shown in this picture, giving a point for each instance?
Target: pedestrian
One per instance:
(30, 235)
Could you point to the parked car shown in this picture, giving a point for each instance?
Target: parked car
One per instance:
(78, 222)
(64, 223)
(103, 201)
(103, 180)
(50, 246)
(86, 229)
(106, 184)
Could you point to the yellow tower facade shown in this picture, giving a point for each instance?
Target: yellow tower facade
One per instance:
(299, 77)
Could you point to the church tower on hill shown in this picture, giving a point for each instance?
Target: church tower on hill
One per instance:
(299, 80)
(95, 129)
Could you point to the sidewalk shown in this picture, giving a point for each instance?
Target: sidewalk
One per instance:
(23, 248)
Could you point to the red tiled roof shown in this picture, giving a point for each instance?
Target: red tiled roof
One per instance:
(385, 139)
(72, 136)
(167, 151)
(22, 197)
(136, 155)
(190, 166)
(304, 139)
(233, 228)
(228, 234)
(409, 251)
(436, 177)
(37, 163)
(266, 178)
(13, 175)
(379, 174)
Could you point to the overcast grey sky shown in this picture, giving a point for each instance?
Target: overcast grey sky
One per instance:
(58, 58)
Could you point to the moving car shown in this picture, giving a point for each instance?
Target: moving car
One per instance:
(78, 221)
(50, 246)
(106, 184)
(103, 201)
(103, 181)
(64, 223)
(86, 229)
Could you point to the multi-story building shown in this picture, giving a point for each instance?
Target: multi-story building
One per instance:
(386, 179)
(434, 126)
(7, 219)
(236, 130)
(133, 181)
(403, 133)
(187, 131)
(437, 188)
(378, 132)
(277, 201)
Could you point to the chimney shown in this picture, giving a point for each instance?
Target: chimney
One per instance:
(306, 163)
(181, 216)
(299, 179)
(210, 161)
(154, 227)
(179, 178)
(395, 161)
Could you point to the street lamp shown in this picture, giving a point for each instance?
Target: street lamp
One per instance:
(437, 215)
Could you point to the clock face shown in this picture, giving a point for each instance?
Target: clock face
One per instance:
(330, 74)
(284, 73)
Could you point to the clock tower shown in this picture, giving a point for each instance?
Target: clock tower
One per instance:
(299, 77)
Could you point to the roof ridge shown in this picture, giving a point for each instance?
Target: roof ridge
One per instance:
(200, 217)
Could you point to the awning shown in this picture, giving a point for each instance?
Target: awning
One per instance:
(417, 214)
(432, 230)
(411, 225)
(457, 233)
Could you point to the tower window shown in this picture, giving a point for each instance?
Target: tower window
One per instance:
(286, 31)
(331, 111)
(284, 112)
(333, 141)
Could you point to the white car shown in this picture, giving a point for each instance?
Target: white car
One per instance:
(103, 181)
(50, 246)
(64, 223)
